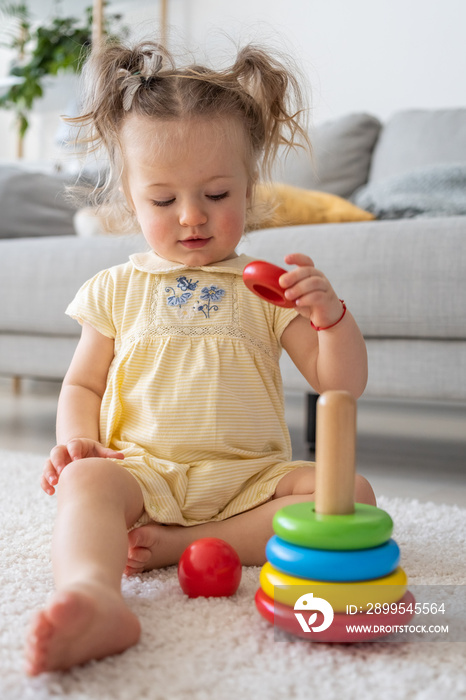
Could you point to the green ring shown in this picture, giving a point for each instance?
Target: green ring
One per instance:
(367, 527)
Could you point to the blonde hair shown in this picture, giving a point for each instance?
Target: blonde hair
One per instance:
(258, 90)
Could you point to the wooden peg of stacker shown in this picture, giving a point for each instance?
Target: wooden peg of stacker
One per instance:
(335, 453)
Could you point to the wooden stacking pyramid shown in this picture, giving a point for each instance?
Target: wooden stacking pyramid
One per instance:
(332, 572)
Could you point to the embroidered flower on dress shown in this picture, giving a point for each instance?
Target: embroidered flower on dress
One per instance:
(177, 299)
(184, 284)
(210, 294)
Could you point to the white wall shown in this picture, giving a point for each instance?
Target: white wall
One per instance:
(374, 55)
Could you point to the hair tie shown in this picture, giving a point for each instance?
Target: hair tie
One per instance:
(132, 81)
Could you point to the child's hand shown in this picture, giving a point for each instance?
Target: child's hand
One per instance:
(313, 294)
(61, 455)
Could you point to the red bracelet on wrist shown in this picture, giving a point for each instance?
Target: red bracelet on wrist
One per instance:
(325, 328)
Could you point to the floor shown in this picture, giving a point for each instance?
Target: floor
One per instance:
(407, 450)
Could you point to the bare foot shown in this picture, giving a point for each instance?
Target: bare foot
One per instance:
(80, 624)
(155, 546)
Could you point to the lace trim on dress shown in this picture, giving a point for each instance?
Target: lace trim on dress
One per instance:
(199, 331)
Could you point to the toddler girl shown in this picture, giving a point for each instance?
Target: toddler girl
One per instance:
(171, 420)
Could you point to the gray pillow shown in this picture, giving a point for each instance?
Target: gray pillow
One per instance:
(33, 204)
(342, 151)
(433, 190)
(416, 138)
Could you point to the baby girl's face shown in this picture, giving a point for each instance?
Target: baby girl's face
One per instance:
(188, 184)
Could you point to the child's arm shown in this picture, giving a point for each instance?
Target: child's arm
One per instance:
(329, 359)
(79, 406)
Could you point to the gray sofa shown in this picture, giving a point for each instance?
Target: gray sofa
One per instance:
(403, 275)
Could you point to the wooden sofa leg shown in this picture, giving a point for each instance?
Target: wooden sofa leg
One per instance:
(311, 420)
(16, 385)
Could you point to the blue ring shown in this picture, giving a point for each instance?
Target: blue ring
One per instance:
(333, 565)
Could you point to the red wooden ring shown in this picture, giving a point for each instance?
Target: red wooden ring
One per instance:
(262, 278)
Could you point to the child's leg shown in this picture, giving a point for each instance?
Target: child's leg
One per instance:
(87, 617)
(154, 546)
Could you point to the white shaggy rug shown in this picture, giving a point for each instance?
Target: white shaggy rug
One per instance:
(221, 649)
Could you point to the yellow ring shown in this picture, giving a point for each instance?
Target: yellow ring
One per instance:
(287, 589)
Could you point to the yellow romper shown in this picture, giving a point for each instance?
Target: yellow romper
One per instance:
(194, 394)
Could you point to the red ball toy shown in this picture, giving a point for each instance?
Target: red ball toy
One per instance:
(209, 567)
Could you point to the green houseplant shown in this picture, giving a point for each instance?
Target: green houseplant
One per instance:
(58, 45)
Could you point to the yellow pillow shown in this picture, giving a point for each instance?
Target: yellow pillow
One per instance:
(292, 206)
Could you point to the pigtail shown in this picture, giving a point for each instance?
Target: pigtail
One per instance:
(273, 86)
(110, 79)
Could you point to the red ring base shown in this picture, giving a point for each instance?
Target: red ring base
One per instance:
(283, 617)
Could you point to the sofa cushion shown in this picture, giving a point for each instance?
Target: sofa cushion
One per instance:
(39, 277)
(33, 204)
(286, 205)
(415, 138)
(342, 151)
